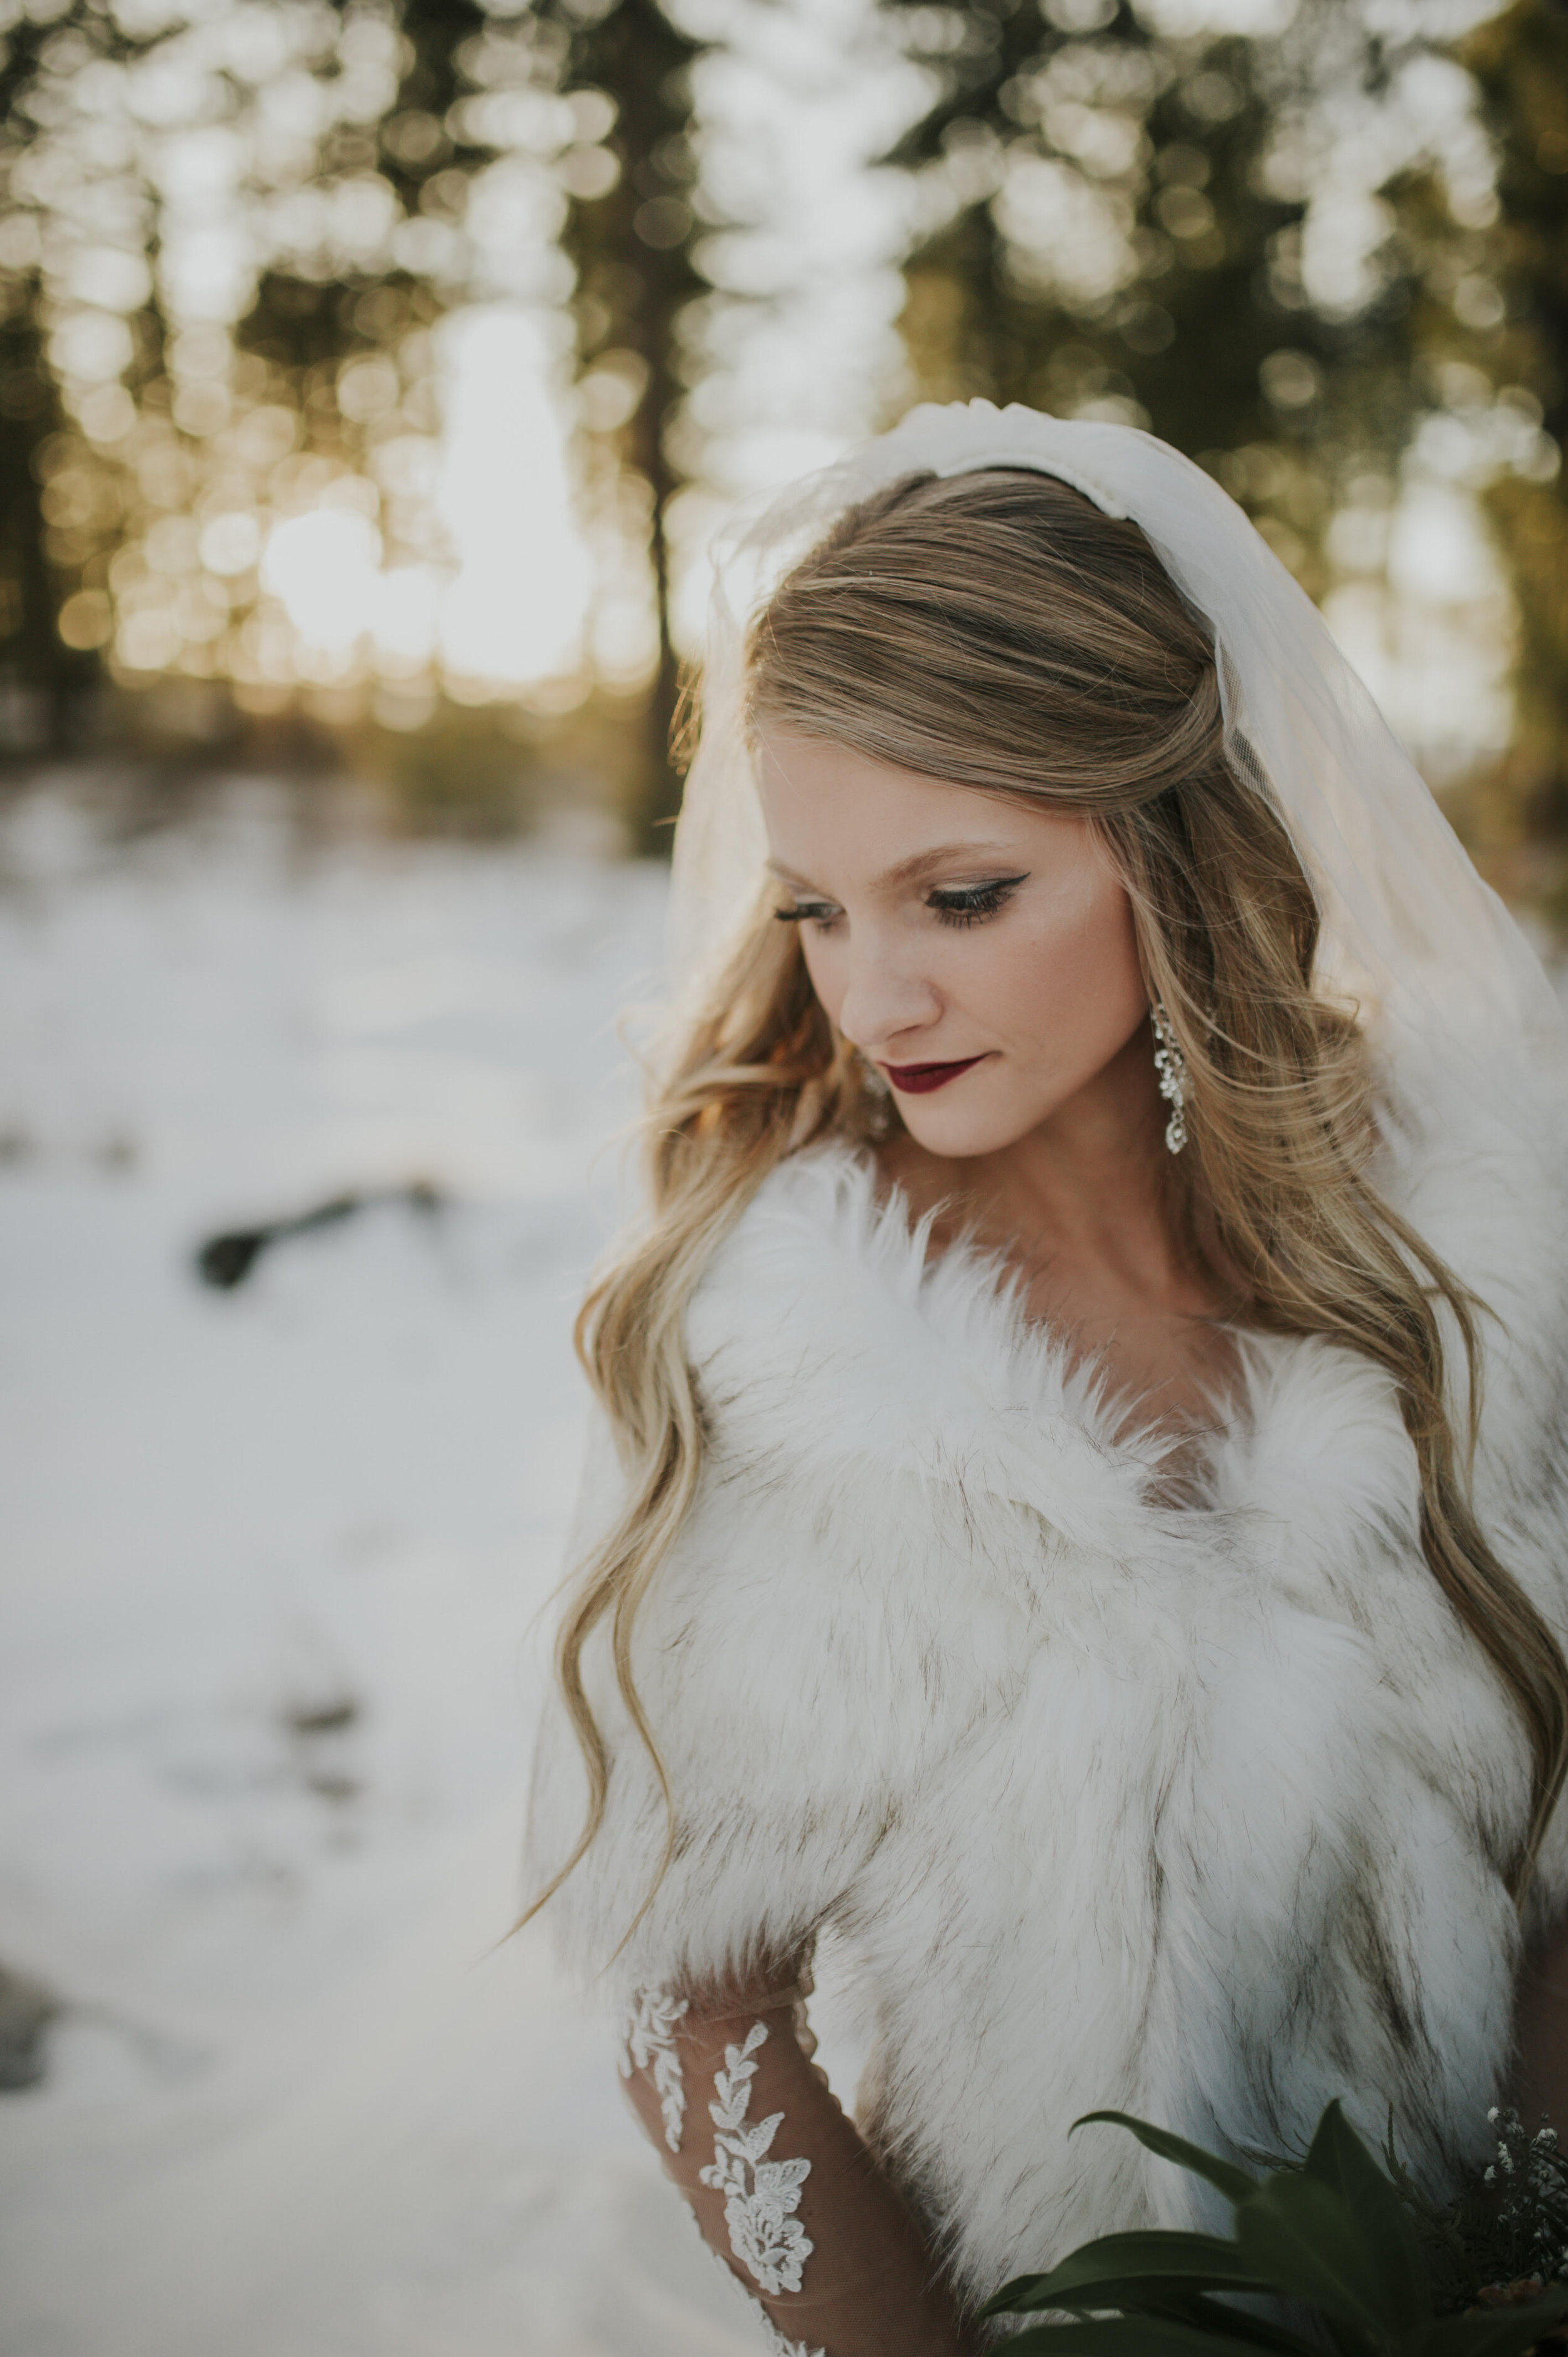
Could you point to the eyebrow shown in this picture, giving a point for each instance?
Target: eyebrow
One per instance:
(919, 865)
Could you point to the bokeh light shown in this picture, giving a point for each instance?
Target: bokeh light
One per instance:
(337, 417)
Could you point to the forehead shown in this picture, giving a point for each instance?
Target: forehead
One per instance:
(832, 809)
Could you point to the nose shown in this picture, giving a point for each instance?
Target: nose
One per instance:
(884, 1001)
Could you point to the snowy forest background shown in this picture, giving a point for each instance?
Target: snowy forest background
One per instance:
(371, 375)
(372, 379)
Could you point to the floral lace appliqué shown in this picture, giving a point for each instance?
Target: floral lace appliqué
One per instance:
(779, 2343)
(647, 2043)
(782, 2348)
(761, 2196)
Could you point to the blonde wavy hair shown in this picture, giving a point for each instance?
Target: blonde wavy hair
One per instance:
(995, 630)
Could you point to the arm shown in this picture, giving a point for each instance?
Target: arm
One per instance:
(779, 2182)
(1541, 2022)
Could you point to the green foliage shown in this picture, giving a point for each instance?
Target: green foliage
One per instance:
(1507, 2225)
(1336, 2235)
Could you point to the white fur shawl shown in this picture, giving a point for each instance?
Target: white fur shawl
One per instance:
(1197, 1814)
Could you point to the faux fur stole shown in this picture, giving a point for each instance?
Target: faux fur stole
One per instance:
(825, 1335)
(842, 1369)
(909, 1491)
(1199, 1812)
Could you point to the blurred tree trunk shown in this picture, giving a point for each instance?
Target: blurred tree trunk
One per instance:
(632, 249)
(1521, 61)
(42, 680)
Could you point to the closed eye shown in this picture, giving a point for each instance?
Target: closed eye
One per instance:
(971, 904)
(807, 913)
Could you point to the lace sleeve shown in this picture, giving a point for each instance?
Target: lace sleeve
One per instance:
(782, 2187)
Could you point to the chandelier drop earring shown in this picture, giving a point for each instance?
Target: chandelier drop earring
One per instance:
(1170, 1067)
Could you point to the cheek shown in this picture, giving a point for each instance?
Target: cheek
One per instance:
(1072, 981)
(824, 970)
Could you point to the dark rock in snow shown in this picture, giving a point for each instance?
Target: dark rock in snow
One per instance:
(27, 2009)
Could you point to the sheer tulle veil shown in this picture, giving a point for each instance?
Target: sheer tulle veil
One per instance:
(1410, 932)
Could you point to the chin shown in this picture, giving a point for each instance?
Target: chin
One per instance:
(959, 1132)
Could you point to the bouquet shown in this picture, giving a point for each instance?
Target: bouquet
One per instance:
(1338, 2250)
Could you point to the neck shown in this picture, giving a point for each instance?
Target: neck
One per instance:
(1087, 1188)
(1091, 1176)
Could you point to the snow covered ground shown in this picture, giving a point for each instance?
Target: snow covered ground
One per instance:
(273, 1565)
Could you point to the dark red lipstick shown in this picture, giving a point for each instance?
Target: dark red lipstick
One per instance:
(916, 1079)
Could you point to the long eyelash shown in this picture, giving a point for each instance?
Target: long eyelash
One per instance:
(968, 906)
(971, 906)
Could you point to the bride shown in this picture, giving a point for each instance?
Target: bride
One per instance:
(1078, 1531)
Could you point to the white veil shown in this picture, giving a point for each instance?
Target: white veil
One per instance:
(1409, 931)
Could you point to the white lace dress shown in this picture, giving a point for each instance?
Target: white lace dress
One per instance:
(781, 2185)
